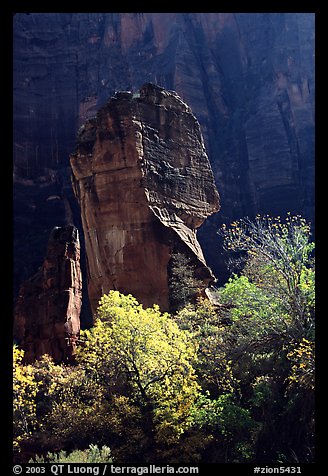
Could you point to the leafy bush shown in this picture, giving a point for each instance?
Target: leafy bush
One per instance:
(91, 455)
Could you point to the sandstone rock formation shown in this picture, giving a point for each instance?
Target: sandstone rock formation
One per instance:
(144, 185)
(47, 313)
(248, 77)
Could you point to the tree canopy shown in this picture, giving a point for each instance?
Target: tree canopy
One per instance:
(230, 382)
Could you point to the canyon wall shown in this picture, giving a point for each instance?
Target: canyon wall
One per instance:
(248, 77)
(144, 185)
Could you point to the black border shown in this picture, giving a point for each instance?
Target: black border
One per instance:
(6, 14)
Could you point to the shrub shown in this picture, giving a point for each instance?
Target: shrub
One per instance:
(91, 455)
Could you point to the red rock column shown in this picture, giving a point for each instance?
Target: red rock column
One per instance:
(47, 313)
(144, 184)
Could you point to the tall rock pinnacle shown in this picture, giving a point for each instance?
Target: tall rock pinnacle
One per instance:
(144, 184)
(47, 313)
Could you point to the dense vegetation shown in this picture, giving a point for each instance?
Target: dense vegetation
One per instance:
(227, 383)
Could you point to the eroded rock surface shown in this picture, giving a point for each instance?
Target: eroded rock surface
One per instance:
(144, 185)
(47, 314)
(248, 77)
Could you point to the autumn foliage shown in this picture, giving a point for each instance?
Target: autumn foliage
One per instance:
(232, 382)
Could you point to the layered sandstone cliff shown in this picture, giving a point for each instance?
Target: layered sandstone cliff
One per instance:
(248, 77)
(47, 313)
(144, 185)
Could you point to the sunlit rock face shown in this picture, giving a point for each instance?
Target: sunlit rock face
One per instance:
(248, 77)
(144, 185)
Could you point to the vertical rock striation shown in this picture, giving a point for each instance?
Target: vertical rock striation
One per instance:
(47, 313)
(248, 77)
(144, 185)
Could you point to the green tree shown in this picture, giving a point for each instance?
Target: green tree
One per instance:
(231, 427)
(274, 366)
(71, 408)
(272, 312)
(183, 284)
(279, 260)
(206, 325)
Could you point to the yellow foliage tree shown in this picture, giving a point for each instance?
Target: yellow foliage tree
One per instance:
(24, 393)
(143, 353)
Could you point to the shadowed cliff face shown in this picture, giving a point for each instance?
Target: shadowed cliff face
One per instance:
(144, 184)
(47, 313)
(248, 77)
